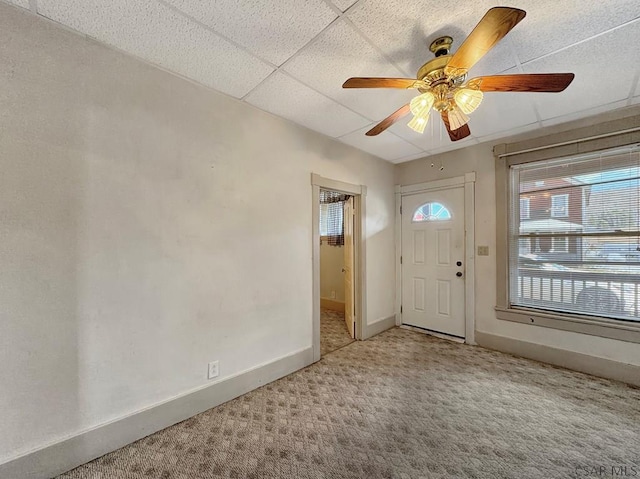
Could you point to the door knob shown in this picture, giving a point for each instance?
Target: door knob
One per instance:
(459, 263)
(458, 274)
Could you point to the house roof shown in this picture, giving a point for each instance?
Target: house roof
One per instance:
(290, 57)
(548, 225)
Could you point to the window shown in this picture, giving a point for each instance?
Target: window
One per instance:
(560, 206)
(583, 257)
(524, 208)
(431, 212)
(560, 245)
(331, 217)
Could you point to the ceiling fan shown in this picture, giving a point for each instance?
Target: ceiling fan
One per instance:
(442, 81)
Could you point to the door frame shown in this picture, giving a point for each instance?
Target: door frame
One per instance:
(359, 193)
(468, 182)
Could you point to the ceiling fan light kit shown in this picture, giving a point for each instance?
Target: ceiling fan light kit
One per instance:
(467, 99)
(442, 81)
(457, 119)
(420, 107)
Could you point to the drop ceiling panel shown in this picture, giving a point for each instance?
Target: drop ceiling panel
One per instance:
(271, 30)
(288, 98)
(159, 35)
(387, 146)
(594, 84)
(501, 111)
(510, 132)
(456, 145)
(435, 135)
(409, 158)
(403, 29)
(585, 113)
(550, 27)
(339, 53)
(21, 3)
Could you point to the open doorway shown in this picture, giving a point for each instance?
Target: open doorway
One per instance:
(337, 318)
(347, 284)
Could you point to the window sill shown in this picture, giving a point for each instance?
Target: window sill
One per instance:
(594, 326)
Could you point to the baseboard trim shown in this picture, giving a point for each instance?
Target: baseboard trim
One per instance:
(69, 453)
(379, 326)
(332, 304)
(601, 367)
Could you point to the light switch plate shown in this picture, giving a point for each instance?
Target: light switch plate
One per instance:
(483, 251)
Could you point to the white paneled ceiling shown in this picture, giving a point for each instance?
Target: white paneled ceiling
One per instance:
(290, 57)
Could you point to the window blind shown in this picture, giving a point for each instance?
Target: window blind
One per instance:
(574, 234)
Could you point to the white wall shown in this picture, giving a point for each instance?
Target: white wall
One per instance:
(479, 158)
(144, 233)
(331, 275)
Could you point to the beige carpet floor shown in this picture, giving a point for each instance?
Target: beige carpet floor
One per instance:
(401, 405)
(333, 331)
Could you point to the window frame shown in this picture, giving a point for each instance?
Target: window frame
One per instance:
(568, 144)
(565, 208)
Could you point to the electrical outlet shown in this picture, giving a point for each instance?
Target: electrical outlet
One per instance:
(333, 295)
(214, 369)
(483, 251)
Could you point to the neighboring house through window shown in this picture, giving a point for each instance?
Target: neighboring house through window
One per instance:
(525, 205)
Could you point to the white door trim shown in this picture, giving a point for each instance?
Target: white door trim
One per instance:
(468, 181)
(359, 192)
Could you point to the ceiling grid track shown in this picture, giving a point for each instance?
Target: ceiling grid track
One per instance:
(208, 28)
(372, 44)
(511, 47)
(584, 40)
(378, 49)
(284, 72)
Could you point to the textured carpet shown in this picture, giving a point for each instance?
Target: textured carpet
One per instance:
(401, 405)
(333, 331)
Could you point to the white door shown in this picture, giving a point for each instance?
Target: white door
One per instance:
(432, 261)
(349, 295)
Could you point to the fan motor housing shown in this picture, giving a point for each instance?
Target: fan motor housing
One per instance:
(433, 70)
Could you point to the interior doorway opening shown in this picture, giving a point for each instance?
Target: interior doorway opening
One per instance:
(351, 280)
(337, 315)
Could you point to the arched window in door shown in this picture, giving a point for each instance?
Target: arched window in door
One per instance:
(431, 212)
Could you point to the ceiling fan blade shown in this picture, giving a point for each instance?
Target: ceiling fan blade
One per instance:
(366, 82)
(541, 82)
(495, 24)
(388, 121)
(458, 134)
